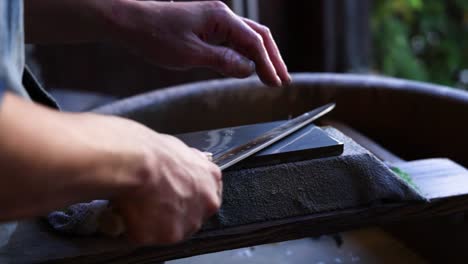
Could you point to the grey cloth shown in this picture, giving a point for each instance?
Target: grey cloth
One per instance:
(356, 178)
(80, 219)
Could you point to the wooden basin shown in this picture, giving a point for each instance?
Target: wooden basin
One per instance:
(413, 119)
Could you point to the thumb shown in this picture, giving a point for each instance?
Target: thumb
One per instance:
(226, 61)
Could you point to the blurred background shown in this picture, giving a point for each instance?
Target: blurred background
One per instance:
(414, 39)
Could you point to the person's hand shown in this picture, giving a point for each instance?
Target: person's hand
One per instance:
(163, 189)
(180, 188)
(199, 34)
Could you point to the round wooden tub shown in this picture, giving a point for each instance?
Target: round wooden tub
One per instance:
(413, 119)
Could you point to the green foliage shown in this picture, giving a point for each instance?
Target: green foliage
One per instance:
(424, 40)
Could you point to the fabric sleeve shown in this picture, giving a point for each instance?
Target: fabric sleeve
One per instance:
(3, 37)
(11, 47)
(2, 90)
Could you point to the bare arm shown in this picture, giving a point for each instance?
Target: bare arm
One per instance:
(46, 163)
(48, 160)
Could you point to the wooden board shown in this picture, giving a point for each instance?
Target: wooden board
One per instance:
(443, 181)
(437, 178)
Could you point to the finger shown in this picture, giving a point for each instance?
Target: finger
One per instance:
(111, 223)
(171, 230)
(193, 225)
(204, 155)
(272, 49)
(216, 172)
(249, 43)
(226, 61)
(213, 197)
(208, 155)
(212, 207)
(242, 38)
(220, 190)
(135, 226)
(198, 152)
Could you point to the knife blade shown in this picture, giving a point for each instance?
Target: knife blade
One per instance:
(111, 222)
(238, 153)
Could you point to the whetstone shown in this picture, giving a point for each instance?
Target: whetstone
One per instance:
(309, 142)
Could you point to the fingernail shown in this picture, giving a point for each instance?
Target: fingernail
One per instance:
(289, 80)
(278, 82)
(246, 66)
(208, 155)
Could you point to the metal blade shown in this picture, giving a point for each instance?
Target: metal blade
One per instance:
(236, 154)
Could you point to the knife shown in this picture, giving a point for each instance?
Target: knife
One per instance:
(111, 223)
(236, 154)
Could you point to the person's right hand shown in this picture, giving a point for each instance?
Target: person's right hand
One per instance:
(183, 189)
(163, 189)
(180, 188)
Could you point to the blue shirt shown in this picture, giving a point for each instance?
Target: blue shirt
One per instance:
(11, 47)
(11, 68)
(2, 89)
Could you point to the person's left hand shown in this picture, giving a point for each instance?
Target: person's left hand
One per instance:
(184, 35)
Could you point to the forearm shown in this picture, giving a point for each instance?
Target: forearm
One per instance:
(68, 21)
(47, 163)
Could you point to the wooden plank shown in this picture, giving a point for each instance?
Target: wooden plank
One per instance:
(437, 178)
(440, 179)
(280, 231)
